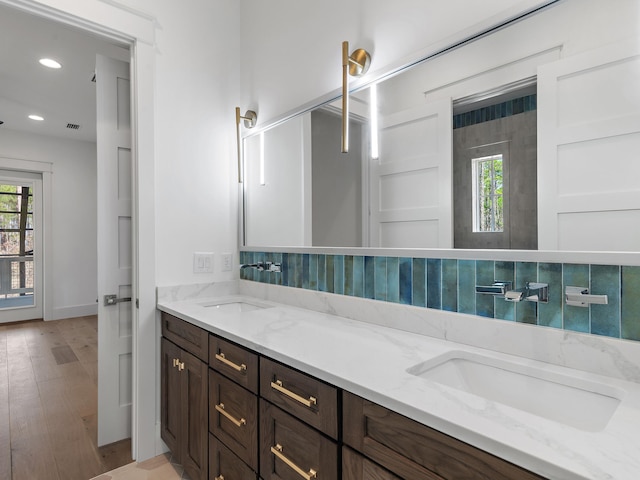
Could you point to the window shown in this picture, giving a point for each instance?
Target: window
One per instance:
(487, 195)
(16, 242)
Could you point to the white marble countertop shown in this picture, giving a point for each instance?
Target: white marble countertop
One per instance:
(372, 361)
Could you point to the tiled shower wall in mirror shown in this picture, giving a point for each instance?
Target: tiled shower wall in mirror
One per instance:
(449, 284)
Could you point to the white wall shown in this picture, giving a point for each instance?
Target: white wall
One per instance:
(197, 60)
(292, 50)
(73, 219)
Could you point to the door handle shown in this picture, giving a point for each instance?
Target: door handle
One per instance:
(113, 299)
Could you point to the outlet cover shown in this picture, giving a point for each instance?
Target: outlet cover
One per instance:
(202, 262)
(227, 262)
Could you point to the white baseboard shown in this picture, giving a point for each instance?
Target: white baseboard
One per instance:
(75, 311)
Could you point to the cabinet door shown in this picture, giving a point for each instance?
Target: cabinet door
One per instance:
(194, 391)
(170, 396)
(233, 417)
(291, 450)
(223, 464)
(414, 451)
(357, 467)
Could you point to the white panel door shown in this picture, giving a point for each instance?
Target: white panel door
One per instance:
(410, 194)
(114, 250)
(588, 144)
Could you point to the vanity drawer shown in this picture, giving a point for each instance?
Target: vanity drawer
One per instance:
(193, 339)
(292, 450)
(357, 467)
(223, 464)
(233, 417)
(235, 362)
(308, 398)
(414, 451)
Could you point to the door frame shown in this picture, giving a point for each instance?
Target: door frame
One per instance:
(136, 29)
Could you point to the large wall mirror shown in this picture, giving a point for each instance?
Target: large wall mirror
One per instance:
(524, 138)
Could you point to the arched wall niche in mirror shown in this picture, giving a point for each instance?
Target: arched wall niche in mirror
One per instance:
(583, 104)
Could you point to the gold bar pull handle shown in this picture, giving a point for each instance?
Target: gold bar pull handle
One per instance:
(231, 418)
(277, 451)
(219, 477)
(176, 362)
(277, 385)
(180, 366)
(221, 358)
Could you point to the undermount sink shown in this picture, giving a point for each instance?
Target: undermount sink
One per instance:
(577, 402)
(235, 306)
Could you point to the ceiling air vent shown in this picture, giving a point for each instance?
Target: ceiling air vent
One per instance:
(73, 126)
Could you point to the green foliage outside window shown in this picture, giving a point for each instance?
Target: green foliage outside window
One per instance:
(488, 196)
(11, 210)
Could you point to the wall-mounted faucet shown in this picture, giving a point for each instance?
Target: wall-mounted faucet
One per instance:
(496, 288)
(263, 266)
(532, 292)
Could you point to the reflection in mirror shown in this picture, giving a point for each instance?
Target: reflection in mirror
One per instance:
(505, 127)
(559, 104)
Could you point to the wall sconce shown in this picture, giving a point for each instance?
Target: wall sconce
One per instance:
(250, 118)
(355, 65)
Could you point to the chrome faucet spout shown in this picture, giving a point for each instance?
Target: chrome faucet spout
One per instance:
(263, 266)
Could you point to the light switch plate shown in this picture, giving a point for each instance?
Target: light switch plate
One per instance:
(203, 262)
(227, 262)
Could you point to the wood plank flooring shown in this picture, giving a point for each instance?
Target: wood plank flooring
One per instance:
(48, 403)
(161, 467)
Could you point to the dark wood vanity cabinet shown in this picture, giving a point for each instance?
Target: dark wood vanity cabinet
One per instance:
(231, 414)
(183, 407)
(413, 451)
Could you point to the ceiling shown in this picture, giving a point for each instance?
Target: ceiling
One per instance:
(64, 96)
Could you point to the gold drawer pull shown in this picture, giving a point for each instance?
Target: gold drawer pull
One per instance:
(219, 477)
(277, 451)
(240, 368)
(277, 385)
(176, 362)
(231, 418)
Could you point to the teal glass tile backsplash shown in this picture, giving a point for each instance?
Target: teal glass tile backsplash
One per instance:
(449, 284)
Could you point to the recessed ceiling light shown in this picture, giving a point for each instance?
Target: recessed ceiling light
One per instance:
(49, 62)
(36, 117)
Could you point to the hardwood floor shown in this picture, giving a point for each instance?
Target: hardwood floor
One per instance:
(48, 403)
(158, 468)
